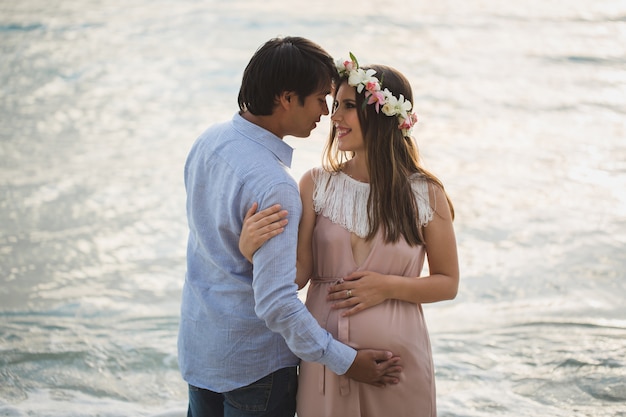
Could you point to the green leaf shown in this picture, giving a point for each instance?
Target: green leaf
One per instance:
(353, 58)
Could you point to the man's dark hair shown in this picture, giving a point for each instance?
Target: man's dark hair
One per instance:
(284, 64)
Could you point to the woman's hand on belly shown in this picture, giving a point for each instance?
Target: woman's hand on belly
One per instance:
(359, 291)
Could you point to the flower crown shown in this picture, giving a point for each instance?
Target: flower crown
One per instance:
(385, 100)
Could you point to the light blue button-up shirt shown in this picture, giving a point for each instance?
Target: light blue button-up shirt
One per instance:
(240, 323)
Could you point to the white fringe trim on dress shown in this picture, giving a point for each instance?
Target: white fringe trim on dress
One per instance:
(344, 200)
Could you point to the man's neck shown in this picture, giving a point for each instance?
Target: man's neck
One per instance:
(269, 123)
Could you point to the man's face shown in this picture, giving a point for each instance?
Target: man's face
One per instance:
(304, 118)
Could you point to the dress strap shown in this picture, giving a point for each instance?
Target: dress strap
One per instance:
(344, 382)
(344, 336)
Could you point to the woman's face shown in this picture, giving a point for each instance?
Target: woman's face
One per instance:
(346, 120)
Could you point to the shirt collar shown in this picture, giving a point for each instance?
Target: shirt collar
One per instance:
(265, 138)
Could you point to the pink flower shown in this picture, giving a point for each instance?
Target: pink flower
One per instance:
(409, 122)
(376, 97)
(372, 86)
(349, 65)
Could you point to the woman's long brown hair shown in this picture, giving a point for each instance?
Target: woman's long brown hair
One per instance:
(391, 159)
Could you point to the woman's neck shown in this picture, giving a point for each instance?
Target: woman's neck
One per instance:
(356, 168)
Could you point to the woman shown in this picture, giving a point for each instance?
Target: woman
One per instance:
(370, 216)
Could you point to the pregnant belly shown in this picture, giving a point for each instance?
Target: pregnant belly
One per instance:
(393, 325)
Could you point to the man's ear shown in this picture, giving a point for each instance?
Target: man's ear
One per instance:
(286, 99)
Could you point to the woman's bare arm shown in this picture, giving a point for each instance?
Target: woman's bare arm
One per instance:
(305, 231)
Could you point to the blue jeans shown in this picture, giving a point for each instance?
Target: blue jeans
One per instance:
(270, 396)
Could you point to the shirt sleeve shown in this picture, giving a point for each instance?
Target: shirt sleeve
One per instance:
(275, 292)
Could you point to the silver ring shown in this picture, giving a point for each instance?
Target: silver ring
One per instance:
(348, 293)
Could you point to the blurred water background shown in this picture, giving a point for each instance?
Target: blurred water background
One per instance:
(522, 111)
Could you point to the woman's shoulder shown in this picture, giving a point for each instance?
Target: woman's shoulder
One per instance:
(317, 176)
(424, 191)
(419, 183)
(318, 171)
(420, 180)
(311, 179)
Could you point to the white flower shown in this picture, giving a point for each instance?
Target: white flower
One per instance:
(344, 66)
(396, 106)
(359, 78)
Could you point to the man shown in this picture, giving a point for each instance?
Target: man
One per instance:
(243, 329)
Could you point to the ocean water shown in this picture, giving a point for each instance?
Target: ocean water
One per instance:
(522, 110)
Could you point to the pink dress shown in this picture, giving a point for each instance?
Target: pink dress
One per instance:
(394, 325)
